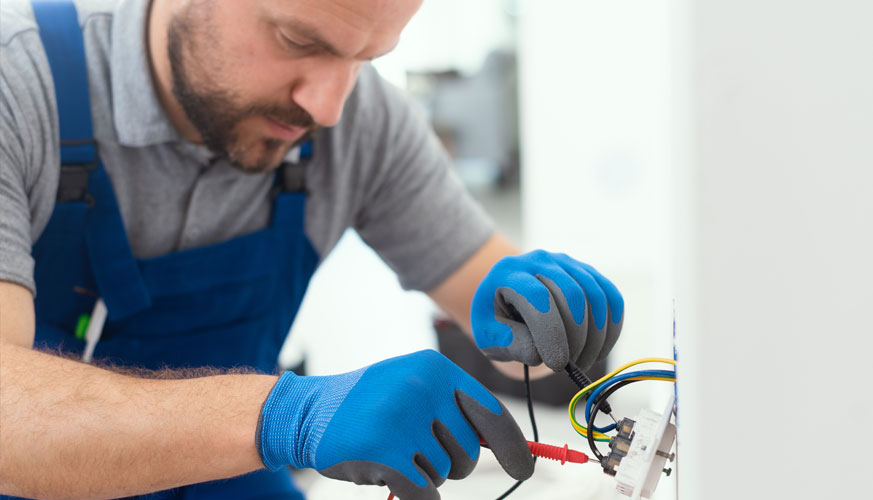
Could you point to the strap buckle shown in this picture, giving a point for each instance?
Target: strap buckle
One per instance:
(73, 182)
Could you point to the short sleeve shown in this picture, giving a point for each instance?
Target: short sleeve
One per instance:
(28, 143)
(417, 214)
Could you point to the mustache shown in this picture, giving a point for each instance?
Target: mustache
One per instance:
(292, 115)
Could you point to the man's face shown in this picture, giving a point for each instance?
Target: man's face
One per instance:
(256, 77)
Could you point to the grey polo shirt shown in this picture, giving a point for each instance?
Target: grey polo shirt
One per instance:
(380, 170)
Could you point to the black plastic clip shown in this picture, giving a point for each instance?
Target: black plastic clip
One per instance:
(73, 182)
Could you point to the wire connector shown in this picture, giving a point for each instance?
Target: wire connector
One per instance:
(619, 446)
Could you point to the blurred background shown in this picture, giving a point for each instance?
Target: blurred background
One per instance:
(714, 159)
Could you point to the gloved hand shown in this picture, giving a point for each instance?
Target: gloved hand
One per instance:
(546, 307)
(408, 422)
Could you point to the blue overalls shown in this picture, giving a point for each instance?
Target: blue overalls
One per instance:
(225, 305)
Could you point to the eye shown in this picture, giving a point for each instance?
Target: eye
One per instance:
(290, 43)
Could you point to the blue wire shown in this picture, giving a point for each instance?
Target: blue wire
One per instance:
(618, 378)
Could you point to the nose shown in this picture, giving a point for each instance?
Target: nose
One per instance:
(324, 86)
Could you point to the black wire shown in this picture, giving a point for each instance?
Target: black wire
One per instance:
(530, 411)
(510, 490)
(596, 405)
(582, 381)
(533, 423)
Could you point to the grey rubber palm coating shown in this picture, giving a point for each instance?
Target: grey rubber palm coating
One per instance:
(552, 337)
(501, 432)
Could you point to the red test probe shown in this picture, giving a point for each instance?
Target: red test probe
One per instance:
(541, 450)
(557, 453)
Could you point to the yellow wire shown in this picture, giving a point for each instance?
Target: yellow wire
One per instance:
(619, 370)
(573, 402)
(581, 429)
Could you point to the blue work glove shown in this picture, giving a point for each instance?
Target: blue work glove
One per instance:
(408, 422)
(546, 307)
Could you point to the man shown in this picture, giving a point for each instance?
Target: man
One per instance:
(236, 142)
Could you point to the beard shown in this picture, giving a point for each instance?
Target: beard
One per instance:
(215, 112)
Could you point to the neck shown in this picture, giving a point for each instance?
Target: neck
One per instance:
(158, 20)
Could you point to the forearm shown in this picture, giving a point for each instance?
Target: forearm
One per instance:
(71, 430)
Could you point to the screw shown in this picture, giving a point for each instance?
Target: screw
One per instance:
(668, 472)
(669, 457)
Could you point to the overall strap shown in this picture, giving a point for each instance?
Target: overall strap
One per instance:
(115, 269)
(291, 175)
(62, 39)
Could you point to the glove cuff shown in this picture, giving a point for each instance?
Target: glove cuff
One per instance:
(278, 436)
(295, 415)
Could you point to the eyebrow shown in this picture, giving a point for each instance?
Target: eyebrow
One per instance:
(315, 37)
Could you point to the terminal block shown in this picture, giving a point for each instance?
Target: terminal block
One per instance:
(619, 446)
(641, 450)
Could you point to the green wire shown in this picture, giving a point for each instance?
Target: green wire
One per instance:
(602, 440)
(575, 402)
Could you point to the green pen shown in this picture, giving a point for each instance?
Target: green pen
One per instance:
(82, 326)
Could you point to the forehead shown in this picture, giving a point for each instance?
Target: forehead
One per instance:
(355, 27)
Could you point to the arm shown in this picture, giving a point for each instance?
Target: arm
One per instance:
(71, 430)
(102, 434)
(455, 294)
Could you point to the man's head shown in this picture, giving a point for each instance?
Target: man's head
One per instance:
(256, 77)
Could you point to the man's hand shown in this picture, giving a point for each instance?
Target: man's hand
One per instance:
(408, 422)
(547, 308)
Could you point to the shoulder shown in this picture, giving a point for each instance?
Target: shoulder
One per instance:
(16, 16)
(89, 8)
(347, 161)
(28, 114)
(28, 106)
(377, 121)
(377, 106)
(365, 124)
(23, 52)
(371, 90)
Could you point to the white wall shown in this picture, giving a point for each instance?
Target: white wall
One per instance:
(721, 152)
(775, 267)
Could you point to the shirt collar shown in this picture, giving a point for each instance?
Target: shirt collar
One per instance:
(139, 117)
